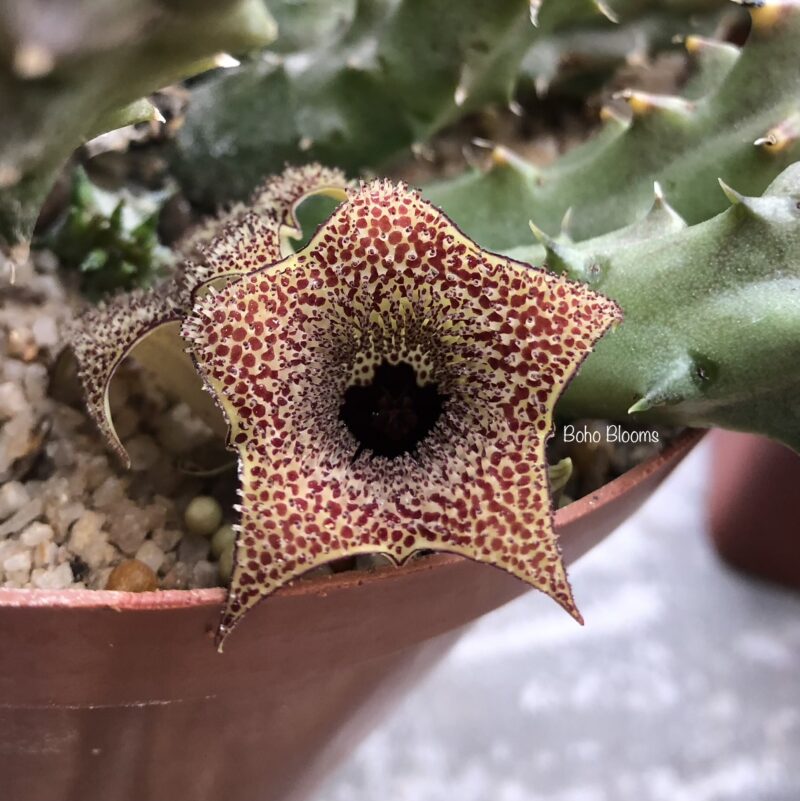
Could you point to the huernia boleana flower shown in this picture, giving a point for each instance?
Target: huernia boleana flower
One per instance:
(145, 323)
(390, 388)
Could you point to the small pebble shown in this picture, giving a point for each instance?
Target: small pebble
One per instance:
(205, 574)
(178, 577)
(26, 514)
(154, 515)
(17, 439)
(166, 538)
(150, 554)
(132, 576)
(54, 578)
(203, 515)
(44, 554)
(12, 400)
(96, 470)
(36, 534)
(143, 452)
(169, 562)
(179, 430)
(108, 494)
(21, 345)
(36, 381)
(225, 565)
(224, 537)
(89, 541)
(127, 527)
(13, 496)
(19, 562)
(9, 548)
(99, 579)
(88, 525)
(62, 517)
(45, 331)
(193, 548)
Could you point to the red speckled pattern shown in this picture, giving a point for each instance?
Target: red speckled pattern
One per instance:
(247, 237)
(390, 278)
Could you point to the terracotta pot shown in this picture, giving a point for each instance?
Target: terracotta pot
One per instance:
(753, 507)
(107, 696)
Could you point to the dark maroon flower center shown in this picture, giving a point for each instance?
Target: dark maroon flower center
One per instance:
(392, 414)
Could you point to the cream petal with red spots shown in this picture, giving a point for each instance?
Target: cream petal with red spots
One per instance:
(144, 324)
(387, 294)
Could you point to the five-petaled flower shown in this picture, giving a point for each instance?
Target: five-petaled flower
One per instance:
(390, 388)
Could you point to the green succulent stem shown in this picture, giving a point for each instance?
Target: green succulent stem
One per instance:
(354, 83)
(723, 128)
(711, 335)
(86, 71)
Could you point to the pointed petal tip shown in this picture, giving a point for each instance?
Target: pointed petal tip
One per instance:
(570, 607)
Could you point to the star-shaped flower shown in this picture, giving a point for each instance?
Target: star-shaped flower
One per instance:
(390, 388)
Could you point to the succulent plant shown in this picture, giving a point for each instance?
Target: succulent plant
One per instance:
(388, 388)
(712, 316)
(351, 94)
(110, 239)
(75, 70)
(740, 122)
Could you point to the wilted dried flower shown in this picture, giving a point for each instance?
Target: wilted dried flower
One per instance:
(144, 324)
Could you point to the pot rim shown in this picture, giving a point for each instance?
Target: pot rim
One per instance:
(338, 582)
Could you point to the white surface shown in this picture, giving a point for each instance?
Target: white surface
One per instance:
(684, 685)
